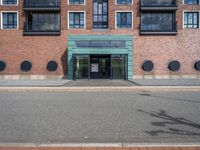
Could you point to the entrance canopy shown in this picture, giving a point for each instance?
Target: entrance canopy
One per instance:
(99, 45)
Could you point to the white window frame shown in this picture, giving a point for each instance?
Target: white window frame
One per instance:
(124, 4)
(189, 4)
(1, 16)
(1, 3)
(118, 11)
(76, 28)
(76, 4)
(184, 18)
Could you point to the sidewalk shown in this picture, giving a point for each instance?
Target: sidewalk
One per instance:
(99, 83)
(175, 85)
(100, 148)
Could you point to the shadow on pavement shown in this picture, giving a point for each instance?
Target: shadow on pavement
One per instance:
(170, 120)
(170, 98)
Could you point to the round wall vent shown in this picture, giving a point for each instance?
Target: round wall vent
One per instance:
(197, 66)
(148, 65)
(174, 65)
(26, 66)
(52, 66)
(2, 65)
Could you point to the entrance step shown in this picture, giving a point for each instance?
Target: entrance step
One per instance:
(101, 82)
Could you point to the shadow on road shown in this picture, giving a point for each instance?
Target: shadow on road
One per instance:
(170, 98)
(170, 120)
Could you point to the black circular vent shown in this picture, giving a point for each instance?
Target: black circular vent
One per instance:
(26, 66)
(2, 66)
(147, 65)
(174, 65)
(52, 66)
(197, 65)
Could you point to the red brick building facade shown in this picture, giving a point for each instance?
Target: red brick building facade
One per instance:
(15, 47)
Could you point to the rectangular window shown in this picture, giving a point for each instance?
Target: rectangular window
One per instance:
(191, 20)
(158, 21)
(191, 2)
(46, 21)
(124, 20)
(74, 2)
(124, 2)
(76, 20)
(100, 14)
(9, 20)
(101, 44)
(9, 2)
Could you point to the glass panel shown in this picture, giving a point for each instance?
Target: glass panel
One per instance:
(118, 67)
(9, 20)
(100, 14)
(124, 2)
(82, 66)
(9, 2)
(44, 21)
(191, 2)
(158, 21)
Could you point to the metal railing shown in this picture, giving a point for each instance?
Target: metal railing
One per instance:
(41, 3)
(158, 3)
(28, 28)
(173, 29)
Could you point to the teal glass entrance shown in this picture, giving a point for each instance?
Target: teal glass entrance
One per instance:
(100, 57)
(100, 67)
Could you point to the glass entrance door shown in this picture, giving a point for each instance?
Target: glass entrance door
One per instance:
(119, 67)
(100, 66)
(82, 67)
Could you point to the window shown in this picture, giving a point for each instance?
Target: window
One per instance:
(43, 21)
(9, 20)
(191, 20)
(100, 13)
(124, 20)
(72, 2)
(191, 2)
(9, 2)
(158, 21)
(101, 44)
(76, 20)
(124, 2)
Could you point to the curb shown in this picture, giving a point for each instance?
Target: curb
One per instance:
(96, 145)
(104, 89)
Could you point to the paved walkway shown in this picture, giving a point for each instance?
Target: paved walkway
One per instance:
(99, 83)
(34, 83)
(101, 148)
(167, 82)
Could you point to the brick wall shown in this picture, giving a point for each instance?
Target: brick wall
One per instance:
(184, 47)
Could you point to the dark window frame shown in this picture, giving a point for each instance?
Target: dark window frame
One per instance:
(120, 25)
(100, 24)
(10, 24)
(80, 26)
(186, 25)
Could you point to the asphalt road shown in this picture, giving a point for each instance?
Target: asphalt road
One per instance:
(100, 117)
